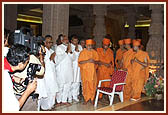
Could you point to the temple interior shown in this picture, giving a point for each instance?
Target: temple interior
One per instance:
(115, 20)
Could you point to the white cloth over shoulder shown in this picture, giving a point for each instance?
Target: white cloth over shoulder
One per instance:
(9, 101)
(76, 68)
(64, 65)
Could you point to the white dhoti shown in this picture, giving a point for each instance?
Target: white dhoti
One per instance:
(64, 72)
(63, 92)
(74, 92)
(50, 83)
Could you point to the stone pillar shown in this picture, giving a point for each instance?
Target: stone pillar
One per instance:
(10, 16)
(155, 45)
(131, 20)
(99, 31)
(55, 20)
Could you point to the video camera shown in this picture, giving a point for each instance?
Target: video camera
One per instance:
(25, 37)
(31, 72)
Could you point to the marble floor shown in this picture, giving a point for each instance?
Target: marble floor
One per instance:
(79, 106)
(145, 104)
(149, 105)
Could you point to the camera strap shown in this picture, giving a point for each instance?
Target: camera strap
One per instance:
(19, 88)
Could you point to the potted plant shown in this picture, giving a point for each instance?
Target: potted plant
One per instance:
(154, 86)
(160, 88)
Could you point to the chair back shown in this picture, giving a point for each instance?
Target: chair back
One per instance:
(118, 76)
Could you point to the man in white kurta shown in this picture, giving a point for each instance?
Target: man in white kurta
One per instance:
(74, 91)
(64, 63)
(49, 76)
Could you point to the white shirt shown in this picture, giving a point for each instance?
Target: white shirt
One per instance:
(10, 102)
(50, 74)
(64, 65)
(76, 68)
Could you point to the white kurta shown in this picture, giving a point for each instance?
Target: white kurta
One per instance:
(76, 68)
(64, 64)
(50, 81)
(74, 91)
(64, 70)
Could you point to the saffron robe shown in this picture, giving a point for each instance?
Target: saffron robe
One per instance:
(119, 56)
(140, 74)
(127, 57)
(88, 73)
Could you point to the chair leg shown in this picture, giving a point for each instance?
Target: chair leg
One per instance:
(111, 99)
(121, 96)
(97, 97)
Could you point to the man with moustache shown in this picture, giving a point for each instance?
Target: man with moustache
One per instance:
(64, 69)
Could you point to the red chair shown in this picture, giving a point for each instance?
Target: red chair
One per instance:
(117, 82)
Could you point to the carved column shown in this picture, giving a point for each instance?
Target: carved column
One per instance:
(10, 16)
(155, 45)
(55, 20)
(99, 29)
(131, 22)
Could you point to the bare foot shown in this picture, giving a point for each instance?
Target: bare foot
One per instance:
(92, 102)
(85, 102)
(66, 103)
(58, 104)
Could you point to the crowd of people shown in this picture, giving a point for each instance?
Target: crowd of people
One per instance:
(67, 66)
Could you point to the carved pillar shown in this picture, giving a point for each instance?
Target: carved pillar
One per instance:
(99, 29)
(10, 16)
(55, 20)
(131, 20)
(155, 45)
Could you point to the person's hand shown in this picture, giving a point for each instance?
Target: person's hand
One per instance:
(76, 48)
(125, 69)
(100, 63)
(32, 86)
(135, 59)
(107, 65)
(52, 56)
(42, 50)
(41, 58)
(18, 79)
(132, 61)
(91, 61)
(69, 48)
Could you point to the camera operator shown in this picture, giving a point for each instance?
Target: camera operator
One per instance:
(17, 59)
(35, 61)
(31, 103)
